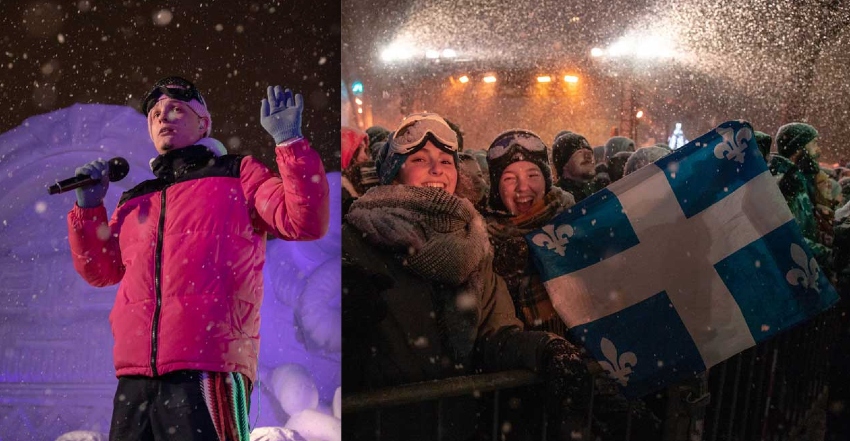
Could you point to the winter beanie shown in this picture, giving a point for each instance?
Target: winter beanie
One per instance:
(763, 140)
(351, 139)
(599, 154)
(389, 162)
(643, 157)
(515, 153)
(618, 144)
(375, 149)
(792, 137)
(558, 135)
(617, 165)
(563, 148)
(376, 134)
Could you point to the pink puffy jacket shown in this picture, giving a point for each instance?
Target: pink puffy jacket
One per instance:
(189, 248)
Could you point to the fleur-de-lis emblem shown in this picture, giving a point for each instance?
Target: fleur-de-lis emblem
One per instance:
(733, 144)
(618, 368)
(807, 274)
(554, 239)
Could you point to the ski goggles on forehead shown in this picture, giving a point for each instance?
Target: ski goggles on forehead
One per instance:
(417, 128)
(508, 142)
(172, 87)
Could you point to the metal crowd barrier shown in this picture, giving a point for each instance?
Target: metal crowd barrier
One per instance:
(775, 391)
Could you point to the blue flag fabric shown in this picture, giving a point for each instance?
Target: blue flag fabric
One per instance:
(681, 264)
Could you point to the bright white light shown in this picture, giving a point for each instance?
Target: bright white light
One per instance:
(639, 114)
(397, 52)
(489, 79)
(656, 46)
(359, 110)
(464, 79)
(544, 79)
(432, 54)
(358, 101)
(643, 47)
(597, 52)
(570, 79)
(449, 53)
(622, 47)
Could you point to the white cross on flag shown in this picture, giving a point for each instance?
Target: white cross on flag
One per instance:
(681, 264)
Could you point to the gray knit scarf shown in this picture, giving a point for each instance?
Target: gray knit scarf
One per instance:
(439, 237)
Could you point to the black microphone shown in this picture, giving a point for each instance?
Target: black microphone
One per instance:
(118, 169)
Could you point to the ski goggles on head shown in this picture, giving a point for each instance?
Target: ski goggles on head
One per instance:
(173, 87)
(415, 130)
(515, 139)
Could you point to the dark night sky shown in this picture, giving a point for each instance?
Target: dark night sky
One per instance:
(59, 52)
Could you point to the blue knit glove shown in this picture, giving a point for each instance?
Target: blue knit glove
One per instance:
(91, 196)
(280, 114)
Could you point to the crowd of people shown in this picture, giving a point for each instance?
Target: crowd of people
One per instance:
(436, 270)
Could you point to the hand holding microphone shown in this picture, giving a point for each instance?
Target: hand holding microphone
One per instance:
(92, 181)
(92, 195)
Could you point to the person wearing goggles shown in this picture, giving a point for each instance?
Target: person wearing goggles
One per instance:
(177, 116)
(527, 182)
(420, 134)
(420, 298)
(187, 249)
(523, 199)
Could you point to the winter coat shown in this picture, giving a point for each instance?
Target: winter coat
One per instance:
(188, 249)
(534, 308)
(841, 251)
(511, 261)
(356, 179)
(417, 310)
(579, 190)
(800, 193)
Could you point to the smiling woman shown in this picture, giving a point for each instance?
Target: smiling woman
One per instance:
(430, 166)
(420, 298)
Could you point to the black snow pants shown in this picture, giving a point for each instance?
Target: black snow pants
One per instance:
(169, 407)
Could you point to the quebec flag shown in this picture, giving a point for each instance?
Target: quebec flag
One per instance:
(681, 264)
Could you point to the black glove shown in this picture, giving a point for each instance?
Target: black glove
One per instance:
(610, 408)
(571, 376)
(566, 375)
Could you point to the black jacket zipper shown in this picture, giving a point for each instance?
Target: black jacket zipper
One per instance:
(157, 281)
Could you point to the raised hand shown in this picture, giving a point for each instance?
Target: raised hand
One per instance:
(280, 114)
